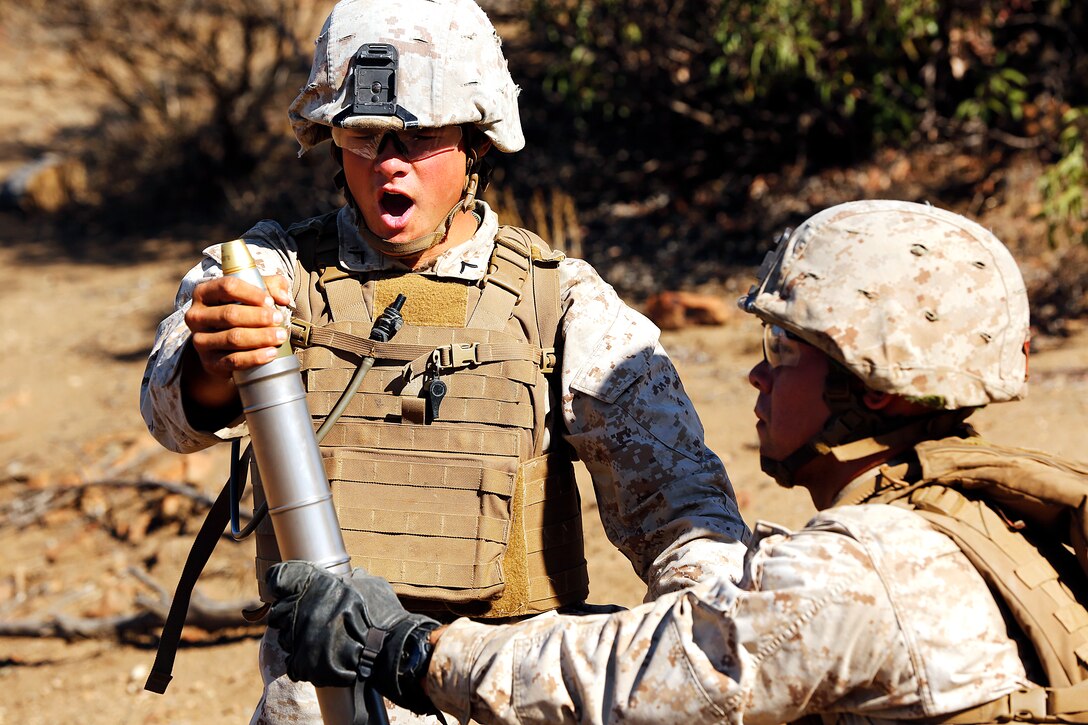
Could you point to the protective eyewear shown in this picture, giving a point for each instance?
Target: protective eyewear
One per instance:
(781, 348)
(412, 145)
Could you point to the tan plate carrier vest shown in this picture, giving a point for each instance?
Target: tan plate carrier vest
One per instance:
(1019, 517)
(463, 510)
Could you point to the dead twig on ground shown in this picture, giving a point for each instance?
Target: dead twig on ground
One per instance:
(73, 628)
(204, 613)
(30, 507)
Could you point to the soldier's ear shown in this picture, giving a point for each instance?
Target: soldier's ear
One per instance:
(892, 405)
(477, 140)
(877, 400)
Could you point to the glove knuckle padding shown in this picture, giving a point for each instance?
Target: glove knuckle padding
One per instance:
(289, 579)
(381, 608)
(317, 622)
(289, 583)
(324, 624)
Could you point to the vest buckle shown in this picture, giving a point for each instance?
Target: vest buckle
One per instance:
(457, 355)
(300, 332)
(547, 360)
(1028, 705)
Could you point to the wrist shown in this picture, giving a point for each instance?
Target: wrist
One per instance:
(403, 662)
(209, 402)
(416, 657)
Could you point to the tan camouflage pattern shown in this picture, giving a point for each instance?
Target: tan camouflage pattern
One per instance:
(282, 701)
(914, 300)
(662, 494)
(451, 70)
(866, 614)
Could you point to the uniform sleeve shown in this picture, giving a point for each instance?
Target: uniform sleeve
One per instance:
(816, 625)
(160, 391)
(664, 498)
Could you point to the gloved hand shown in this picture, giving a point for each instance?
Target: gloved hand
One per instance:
(339, 631)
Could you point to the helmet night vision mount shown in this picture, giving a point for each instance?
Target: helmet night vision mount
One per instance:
(374, 69)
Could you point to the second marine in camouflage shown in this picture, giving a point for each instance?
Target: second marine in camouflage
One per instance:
(885, 325)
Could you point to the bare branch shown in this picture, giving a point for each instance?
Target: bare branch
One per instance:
(32, 506)
(204, 613)
(1016, 142)
(73, 628)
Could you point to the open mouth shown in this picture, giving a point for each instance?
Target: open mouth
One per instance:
(394, 204)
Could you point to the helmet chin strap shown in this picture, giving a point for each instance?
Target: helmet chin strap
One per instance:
(853, 431)
(399, 250)
(910, 430)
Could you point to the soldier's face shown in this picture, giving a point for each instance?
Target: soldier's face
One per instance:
(790, 407)
(402, 197)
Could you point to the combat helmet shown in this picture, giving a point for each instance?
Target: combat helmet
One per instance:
(909, 299)
(402, 64)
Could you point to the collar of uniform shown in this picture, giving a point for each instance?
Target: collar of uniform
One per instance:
(467, 260)
(892, 474)
(858, 488)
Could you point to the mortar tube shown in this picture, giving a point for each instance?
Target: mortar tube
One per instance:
(295, 486)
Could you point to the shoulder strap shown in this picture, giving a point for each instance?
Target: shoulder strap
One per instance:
(335, 292)
(503, 284)
(317, 240)
(1021, 572)
(1009, 511)
(547, 294)
(521, 263)
(345, 295)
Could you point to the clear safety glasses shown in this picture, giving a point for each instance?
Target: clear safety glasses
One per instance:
(780, 347)
(413, 145)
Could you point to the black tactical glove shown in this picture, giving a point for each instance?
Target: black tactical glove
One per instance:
(339, 631)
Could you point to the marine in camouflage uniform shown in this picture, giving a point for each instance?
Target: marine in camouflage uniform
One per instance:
(616, 403)
(886, 324)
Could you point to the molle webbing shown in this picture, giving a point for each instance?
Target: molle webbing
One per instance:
(459, 506)
(523, 553)
(1018, 516)
(470, 350)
